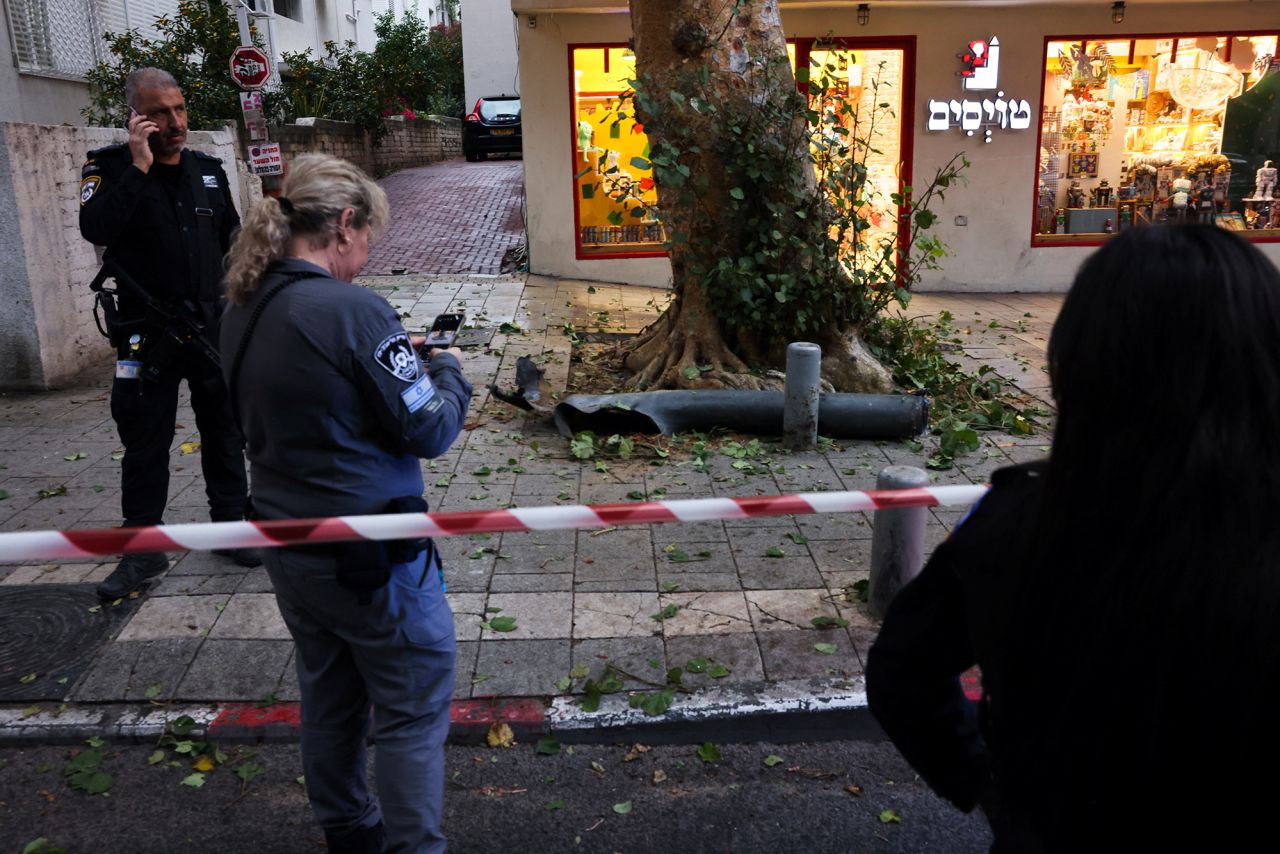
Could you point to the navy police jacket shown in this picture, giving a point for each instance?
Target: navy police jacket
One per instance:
(170, 227)
(335, 406)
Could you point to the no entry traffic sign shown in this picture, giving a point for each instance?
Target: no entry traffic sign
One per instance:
(250, 67)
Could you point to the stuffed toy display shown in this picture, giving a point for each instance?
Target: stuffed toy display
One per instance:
(1265, 185)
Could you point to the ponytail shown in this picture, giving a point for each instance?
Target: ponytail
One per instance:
(316, 191)
(262, 239)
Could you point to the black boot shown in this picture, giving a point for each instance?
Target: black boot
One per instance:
(132, 573)
(362, 840)
(244, 557)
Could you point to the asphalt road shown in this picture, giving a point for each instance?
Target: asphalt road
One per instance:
(506, 800)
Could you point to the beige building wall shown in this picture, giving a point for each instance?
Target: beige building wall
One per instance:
(993, 252)
(489, 50)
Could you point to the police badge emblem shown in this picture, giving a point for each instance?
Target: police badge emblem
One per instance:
(88, 187)
(395, 353)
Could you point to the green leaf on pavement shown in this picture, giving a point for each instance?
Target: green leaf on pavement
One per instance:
(889, 817)
(301, 779)
(94, 741)
(248, 771)
(41, 845)
(691, 373)
(156, 757)
(195, 780)
(500, 624)
(771, 760)
(774, 551)
(564, 683)
(182, 725)
(653, 703)
(78, 455)
(718, 671)
(622, 808)
(798, 539)
(829, 622)
(554, 805)
(547, 746)
(708, 752)
(666, 613)
(825, 648)
(153, 691)
(583, 445)
(578, 671)
(3, 495)
(28, 679)
(696, 665)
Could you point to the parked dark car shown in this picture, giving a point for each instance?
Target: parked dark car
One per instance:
(492, 127)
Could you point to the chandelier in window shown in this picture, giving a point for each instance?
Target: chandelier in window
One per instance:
(1198, 80)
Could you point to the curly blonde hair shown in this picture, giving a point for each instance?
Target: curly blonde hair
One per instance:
(317, 189)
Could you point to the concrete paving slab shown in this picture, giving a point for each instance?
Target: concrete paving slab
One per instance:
(250, 616)
(174, 617)
(521, 667)
(235, 670)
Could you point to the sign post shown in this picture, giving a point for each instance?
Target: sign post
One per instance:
(250, 69)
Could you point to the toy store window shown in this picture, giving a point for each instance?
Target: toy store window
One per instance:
(1158, 129)
(615, 201)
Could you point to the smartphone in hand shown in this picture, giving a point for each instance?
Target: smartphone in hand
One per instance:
(444, 331)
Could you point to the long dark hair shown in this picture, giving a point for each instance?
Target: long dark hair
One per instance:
(1145, 659)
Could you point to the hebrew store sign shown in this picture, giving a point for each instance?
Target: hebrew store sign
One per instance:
(980, 73)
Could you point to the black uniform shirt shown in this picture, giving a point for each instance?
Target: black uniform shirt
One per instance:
(170, 228)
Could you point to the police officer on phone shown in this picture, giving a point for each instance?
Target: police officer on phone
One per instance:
(165, 216)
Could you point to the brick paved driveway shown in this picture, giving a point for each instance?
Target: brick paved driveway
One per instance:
(451, 218)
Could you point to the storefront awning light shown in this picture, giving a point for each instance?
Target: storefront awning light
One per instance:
(1117, 13)
(864, 14)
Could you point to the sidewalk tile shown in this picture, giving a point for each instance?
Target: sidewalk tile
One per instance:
(740, 653)
(173, 617)
(635, 655)
(615, 615)
(468, 611)
(521, 667)
(791, 655)
(131, 670)
(250, 616)
(705, 614)
(537, 615)
(532, 583)
(196, 585)
(780, 610)
(235, 670)
(464, 669)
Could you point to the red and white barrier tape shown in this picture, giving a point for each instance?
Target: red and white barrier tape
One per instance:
(40, 545)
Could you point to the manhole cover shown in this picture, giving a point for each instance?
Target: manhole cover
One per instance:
(48, 630)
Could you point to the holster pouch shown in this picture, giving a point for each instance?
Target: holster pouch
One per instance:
(365, 565)
(163, 353)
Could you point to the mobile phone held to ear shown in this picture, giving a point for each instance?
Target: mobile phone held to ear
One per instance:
(444, 331)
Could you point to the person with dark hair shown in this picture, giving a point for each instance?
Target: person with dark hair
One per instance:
(1122, 598)
(337, 410)
(165, 215)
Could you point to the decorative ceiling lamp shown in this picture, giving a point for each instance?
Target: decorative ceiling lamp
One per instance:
(1200, 81)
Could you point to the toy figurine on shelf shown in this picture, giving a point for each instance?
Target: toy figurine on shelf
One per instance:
(1102, 194)
(1181, 197)
(1075, 195)
(1206, 204)
(1265, 184)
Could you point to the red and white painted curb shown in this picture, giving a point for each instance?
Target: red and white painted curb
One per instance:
(710, 713)
(99, 542)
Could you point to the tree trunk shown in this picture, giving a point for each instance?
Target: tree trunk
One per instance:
(689, 346)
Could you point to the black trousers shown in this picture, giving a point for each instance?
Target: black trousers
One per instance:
(145, 413)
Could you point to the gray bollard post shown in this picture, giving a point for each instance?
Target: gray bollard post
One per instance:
(800, 409)
(897, 540)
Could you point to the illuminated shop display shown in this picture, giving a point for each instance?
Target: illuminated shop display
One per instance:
(1170, 128)
(614, 193)
(615, 198)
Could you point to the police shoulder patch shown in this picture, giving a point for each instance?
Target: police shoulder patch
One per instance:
(88, 187)
(210, 181)
(395, 354)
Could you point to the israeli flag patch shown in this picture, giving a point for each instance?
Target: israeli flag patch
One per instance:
(210, 181)
(419, 394)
